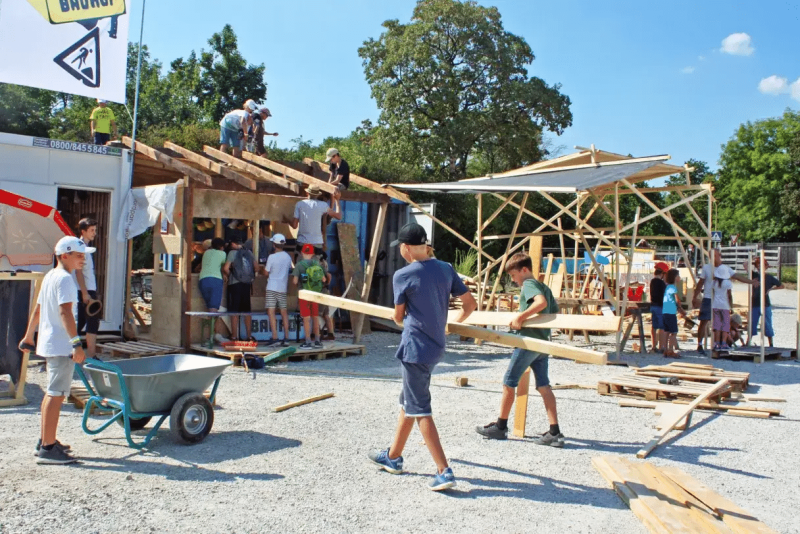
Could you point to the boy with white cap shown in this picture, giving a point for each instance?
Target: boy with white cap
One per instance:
(279, 265)
(58, 343)
(721, 306)
(233, 126)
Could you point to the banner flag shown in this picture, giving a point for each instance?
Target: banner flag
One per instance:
(57, 44)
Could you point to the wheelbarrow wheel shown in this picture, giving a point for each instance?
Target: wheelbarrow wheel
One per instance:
(136, 424)
(191, 418)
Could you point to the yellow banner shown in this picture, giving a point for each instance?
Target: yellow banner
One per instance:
(61, 11)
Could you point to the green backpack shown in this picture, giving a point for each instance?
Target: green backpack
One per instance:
(314, 278)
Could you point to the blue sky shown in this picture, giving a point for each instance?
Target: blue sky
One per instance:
(644, 77)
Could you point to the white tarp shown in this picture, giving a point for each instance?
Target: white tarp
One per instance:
(142, 208)
(72, 46)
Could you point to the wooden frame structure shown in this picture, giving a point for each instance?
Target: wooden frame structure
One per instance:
(15, 395)
(216, 185)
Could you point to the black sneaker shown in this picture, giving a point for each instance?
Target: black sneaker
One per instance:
(700, 350)
(317, 345)
(63, 447)
(492, 431)
(271, 342)
(550, 440)
(55, 456)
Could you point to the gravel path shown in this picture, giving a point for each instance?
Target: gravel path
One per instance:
(305, 470)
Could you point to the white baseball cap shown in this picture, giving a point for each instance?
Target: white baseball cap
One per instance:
(251, 105)
(279, 239)
(329, 155)
(71, 243)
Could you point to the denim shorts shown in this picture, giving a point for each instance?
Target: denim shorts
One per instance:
(657, 317)
(59, 375)
(705, 310)
(230, 137)
(670, 323)
(521, 359)
(415, 398)
(211, 289)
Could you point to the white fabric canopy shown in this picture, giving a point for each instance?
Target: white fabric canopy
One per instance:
(142, 208)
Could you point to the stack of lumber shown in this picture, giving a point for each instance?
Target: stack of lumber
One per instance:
(649, 388)
(667, 500)
(692, 372)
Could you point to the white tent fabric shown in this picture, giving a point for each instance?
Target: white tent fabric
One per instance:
(143, 207)
(559, 180)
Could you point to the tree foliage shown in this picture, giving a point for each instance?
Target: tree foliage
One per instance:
(756, 173)
(452, 82)
(682, 214)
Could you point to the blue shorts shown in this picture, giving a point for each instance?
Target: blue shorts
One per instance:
(705, 310)
(415, 399)
(670, 323)
(230, 137)
(768, 331)
(211, 289)
(521, 359)
(657, 317)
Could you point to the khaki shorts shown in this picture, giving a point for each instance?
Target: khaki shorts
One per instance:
(59, 375)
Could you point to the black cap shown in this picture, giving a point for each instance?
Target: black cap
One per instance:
(411, 234)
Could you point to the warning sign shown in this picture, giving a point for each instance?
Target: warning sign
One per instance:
(82, 59)
(61, 11)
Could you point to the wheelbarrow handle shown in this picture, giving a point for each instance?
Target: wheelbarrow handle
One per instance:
(94, 362)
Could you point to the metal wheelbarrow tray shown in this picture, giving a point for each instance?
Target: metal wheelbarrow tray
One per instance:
(157, 386)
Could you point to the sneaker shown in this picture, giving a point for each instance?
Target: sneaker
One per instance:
(55, 456)
(381, 459)
(317, 345)
(444, 480)
(65, 448)
(716, 347)
(724, 347)
(700, 350)
(549, 439)
(492, 431)
(271, 342)
(283, 343)
(305, 346)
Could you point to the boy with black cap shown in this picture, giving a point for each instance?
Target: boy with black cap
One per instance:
(58, 343)
(422, 293)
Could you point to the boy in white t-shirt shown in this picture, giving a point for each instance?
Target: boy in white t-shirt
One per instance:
(279, 265)
(58, 343)
(722, 304)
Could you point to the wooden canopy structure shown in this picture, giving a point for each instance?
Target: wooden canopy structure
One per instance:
(597, 179)
(215, 185)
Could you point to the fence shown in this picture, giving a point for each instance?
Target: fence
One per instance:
(738, 256)
(788, 251)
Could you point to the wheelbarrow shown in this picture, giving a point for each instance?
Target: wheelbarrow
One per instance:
(157, 386)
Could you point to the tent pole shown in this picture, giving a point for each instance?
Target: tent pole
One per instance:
(480, 250)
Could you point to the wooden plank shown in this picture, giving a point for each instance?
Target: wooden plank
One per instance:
(289, 173)
(252, 169)
(535, 252)
(186, 264)
(600, 323)
(738, 519)
(351, 267)
(213, 166)
(511, 340)
(363, 182)
(169, 161)
(368, 275)
(309, 400)
(521, 404)
(679, 416)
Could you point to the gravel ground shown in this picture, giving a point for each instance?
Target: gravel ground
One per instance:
(306, 470)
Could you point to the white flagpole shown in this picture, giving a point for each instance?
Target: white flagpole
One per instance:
(136, 94)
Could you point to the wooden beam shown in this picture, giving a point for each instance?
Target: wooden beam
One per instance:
(561, 321)
(679, 416)
(665, 189)
(521, 404)
(168, 161)
(583, 223)
(187, 233)
(363, 182)
(694, 213)
(446, 227)
(511, 340)
(252, 169)
(479, 261)
(212, 166)
(358, 323)
(492, 217)
(508, 247)
(288, 172)
(309, 400)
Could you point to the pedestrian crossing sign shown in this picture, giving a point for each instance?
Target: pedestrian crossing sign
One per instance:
(716, 237)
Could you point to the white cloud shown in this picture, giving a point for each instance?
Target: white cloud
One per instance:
(701, 58)
(738, 44)
(774, 85)
(796, 90)
(687, 70)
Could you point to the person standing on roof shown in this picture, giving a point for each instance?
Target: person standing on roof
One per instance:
(256, 138)
(340, 171)
(308, 216)
(233, 126)
(101, 121)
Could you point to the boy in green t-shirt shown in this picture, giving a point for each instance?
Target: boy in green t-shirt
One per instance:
(534, 298)
(311, 275)
(101, 122)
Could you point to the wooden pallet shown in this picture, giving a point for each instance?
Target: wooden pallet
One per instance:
(137, 349)
(651, 389)
(667, 500)
(694, 373)
(331, 349)
(754, 354)
(79, 396)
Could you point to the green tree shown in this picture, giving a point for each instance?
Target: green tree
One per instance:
(453, 81)
(25, 110)
(682, 214)
(756, 171)
(226, 79)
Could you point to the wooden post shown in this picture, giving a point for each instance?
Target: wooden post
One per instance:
(536, 255)
(219, 231)
(616, 241)
(358, 321)
(548, 271)
(128, 330)
(750, 298)
(186, 264)
(763, 295)
(627, 282)
(256, 231)
(521, 404)
(480, 250)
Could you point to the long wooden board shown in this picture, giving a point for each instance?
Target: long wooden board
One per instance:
(600, 323)
(511, 340)
(252, 169)
(169, 161)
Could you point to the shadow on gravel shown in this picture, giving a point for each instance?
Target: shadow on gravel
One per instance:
(34, 393)
(540, 488)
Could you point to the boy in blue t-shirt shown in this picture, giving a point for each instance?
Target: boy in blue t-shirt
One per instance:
(671, 308)
(422, 293)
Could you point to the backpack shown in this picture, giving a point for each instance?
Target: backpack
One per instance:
(242, 267)
(314, 277)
